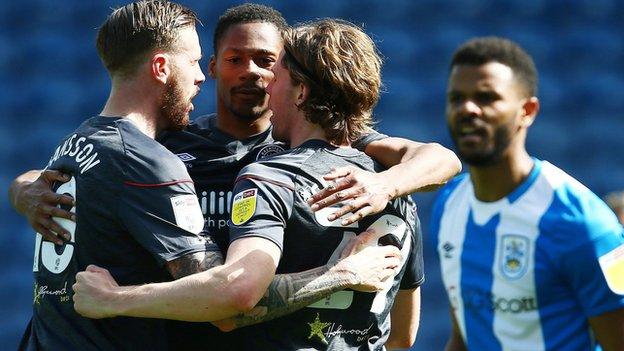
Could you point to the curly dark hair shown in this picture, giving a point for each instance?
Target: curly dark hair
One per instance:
(479, 51)
(247, 13)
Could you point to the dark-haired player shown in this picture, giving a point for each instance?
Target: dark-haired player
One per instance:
(136, 209)
(531, 259)
(272, 222)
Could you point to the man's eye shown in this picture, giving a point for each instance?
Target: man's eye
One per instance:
(266, 62)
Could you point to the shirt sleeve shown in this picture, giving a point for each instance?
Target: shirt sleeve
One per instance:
(366, 139)
(414, 274)
(593, 263)
(159, 208)
(261, 205)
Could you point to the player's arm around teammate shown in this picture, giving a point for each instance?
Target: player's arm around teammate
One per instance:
(31, 195)
(412, 167)
(233, 288)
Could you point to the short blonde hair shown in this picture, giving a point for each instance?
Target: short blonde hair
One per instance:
(341, 66)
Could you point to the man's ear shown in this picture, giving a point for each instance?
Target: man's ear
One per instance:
(212, 67)
(304, 92)
(160, 67)
(530, 109)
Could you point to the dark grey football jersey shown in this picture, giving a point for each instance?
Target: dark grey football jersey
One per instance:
(135, 210)
(270, 202)
(213, 159)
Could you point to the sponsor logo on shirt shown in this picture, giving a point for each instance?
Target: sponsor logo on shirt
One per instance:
(186, 157)
(514, 255)
(41, 291)
(612, 265)
(269, 150)
(480, 300)
(244, 206)
(317, 330)
(215, 202)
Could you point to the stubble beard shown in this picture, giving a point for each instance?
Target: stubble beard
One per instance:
(486, 158)
(175, 106)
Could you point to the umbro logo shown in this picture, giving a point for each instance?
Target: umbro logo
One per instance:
(448, 249)
(185, 157)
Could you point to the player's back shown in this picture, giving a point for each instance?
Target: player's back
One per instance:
(346, 319)
(116, 170)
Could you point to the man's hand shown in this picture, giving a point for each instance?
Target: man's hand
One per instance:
(92, 292)
(370, 264)
(363, 192)
(38, 203)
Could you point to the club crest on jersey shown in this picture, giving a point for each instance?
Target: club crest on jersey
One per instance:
(269, 150)
(612, 265)
(244, 206)
(514, 255)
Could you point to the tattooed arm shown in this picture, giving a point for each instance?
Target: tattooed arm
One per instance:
(230, 289)
(194, 263)
(364, 271)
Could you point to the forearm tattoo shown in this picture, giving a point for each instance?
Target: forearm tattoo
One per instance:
(194, 263)
(290, 292)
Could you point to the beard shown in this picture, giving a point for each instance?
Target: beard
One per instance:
(175, 107)
(489, 156)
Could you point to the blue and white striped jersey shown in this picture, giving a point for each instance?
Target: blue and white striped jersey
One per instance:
(525, 272)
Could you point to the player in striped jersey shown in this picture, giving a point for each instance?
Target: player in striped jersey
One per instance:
(531, 259)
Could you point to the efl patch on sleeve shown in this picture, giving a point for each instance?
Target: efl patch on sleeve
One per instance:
(188, 214)
(244, 206)
(612, 265)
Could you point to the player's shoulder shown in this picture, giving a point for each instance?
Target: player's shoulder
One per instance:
(199, 130)
(146, 160)
(575, 208)
(280, 168)
(366, 138)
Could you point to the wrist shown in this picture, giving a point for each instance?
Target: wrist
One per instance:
(391, 187)
(348, 275)
(16, 190)
(118, 301)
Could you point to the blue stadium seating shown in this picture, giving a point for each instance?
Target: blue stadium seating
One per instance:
(51, 79)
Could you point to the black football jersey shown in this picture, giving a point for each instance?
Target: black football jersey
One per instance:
(214, 159)
(136, 209)
(269, 201)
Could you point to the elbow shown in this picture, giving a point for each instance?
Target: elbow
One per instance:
(454, 163)
(243, 294)
(244, 299)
